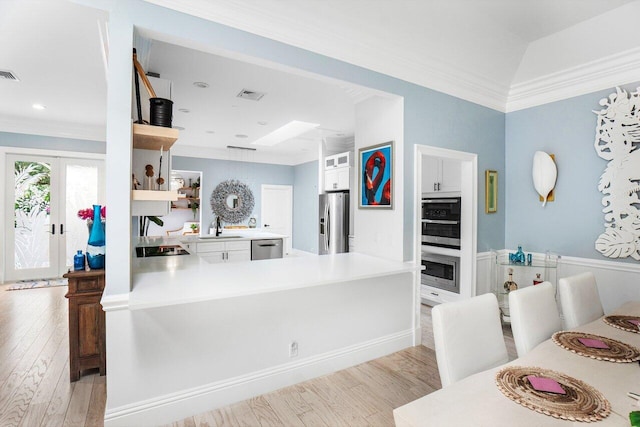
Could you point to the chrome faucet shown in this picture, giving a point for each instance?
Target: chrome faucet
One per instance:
(218, 226)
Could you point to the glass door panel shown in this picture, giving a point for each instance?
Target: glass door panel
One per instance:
(82, 190)
(30, 230)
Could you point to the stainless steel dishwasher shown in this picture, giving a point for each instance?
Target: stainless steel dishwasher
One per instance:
(266, 249)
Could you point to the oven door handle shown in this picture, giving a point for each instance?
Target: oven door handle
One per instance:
(440, 221)
(440, 200)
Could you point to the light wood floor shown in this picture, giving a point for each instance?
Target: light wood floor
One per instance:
(35, 388)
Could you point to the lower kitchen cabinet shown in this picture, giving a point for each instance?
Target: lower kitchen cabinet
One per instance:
(87, 347)
(216, 252)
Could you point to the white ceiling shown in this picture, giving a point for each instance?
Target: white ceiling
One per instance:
(216, 115)
(505, 54)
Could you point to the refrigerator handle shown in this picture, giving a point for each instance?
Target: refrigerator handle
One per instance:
(328, 228)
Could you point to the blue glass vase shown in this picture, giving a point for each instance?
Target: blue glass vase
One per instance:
(96, 244)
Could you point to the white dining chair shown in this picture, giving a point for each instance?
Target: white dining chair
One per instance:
(534, 316)
(468, 337)
(579, 299)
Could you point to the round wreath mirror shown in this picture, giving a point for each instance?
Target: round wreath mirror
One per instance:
(232, 201)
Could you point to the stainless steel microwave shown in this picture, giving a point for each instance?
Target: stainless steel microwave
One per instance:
(441, 222)
(440, 271)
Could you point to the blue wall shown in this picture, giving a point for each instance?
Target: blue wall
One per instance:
(21, 140)
(571, 224)
(215, 171)
(431, 118)
(305, 207)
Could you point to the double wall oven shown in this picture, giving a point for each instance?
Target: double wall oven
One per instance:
(441, 228)
(441, 222)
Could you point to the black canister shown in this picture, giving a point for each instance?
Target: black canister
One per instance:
(161, 111)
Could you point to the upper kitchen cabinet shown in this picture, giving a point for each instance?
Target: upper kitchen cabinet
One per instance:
(337, 173)
(441, 175)
(337, 161)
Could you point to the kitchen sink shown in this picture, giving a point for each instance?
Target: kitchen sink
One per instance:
(219, 237)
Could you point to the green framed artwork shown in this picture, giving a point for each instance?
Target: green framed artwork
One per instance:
(490, 191)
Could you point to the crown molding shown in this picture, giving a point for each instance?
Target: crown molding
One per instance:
(604, 73)
(55, 129)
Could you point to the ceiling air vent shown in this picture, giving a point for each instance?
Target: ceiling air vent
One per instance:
(8, 75)
(251, 94)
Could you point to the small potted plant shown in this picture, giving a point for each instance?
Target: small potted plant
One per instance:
(194, 228)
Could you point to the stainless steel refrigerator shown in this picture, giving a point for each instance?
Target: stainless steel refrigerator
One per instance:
(334, 223)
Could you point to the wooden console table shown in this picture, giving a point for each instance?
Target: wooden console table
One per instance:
(86, 322)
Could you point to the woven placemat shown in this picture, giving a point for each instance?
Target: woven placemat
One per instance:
(622, 322)
(580, 403)
(617, 351)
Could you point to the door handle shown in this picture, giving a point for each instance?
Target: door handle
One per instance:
(440, 221)
(438, 186)
(61, 229)
(53, 229)
(267, 225)
(434, 187)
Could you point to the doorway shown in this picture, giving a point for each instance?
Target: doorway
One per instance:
(465, 166)
(277, 211)
(42, 229)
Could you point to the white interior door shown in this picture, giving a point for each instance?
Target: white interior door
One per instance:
(277, 211)
(42, 230)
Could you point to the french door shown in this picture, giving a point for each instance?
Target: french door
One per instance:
(44, 194)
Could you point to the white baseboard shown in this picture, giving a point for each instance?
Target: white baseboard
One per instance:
(176, 406)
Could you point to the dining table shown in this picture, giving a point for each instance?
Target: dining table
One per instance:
(477, 400)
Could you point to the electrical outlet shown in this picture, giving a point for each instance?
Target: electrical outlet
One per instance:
(293, 349)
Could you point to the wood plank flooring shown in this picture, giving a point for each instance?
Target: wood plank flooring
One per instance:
(35, 388)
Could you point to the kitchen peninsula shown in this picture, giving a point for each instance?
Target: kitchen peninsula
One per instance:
(194, 336)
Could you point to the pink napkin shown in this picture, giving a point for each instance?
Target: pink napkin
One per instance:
(593, 343)
(634, 321)
(546, 384)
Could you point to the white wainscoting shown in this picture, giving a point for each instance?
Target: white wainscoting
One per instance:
(618, 282)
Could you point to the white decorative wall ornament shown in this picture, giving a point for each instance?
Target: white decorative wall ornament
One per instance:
(544, 173)
(618, 142)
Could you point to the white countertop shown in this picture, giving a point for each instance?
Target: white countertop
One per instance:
(164, 281)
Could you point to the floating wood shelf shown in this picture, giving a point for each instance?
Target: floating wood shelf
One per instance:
(153, 195)
(148, 137)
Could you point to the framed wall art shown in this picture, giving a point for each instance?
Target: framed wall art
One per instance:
(490, 191)
(376, 176)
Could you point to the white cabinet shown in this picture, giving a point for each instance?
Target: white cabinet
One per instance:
(440, 175)
(337, 179)
(341, 160)
(435, 295)
(216, 252)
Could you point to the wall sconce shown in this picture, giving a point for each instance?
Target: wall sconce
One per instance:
(545, 173)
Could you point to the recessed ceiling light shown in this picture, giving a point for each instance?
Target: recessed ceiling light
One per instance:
(178, 127)
(288, 131)
(184, 110)
(263, 123)
(38, 107)
(210, 131)
(201, 85)
(241, 135)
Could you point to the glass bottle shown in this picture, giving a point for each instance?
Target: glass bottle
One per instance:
(96, 244)
(520, 257)
(538, 279)
(78, 261)
(510, 285)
